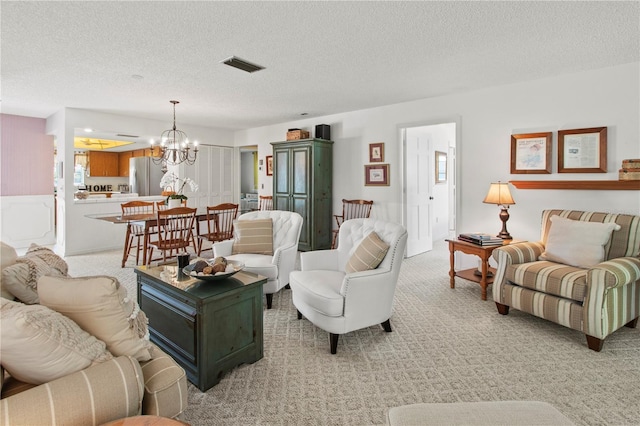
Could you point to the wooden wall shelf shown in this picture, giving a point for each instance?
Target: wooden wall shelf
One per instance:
(577, 184)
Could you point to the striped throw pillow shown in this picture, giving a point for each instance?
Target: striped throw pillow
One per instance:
(368, 254)
(253, 236)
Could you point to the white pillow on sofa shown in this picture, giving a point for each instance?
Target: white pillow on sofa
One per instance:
(40, 345)
(101, 306)
(577, 243)
(21, 278)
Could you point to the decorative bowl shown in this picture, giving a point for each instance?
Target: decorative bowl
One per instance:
(235, 264)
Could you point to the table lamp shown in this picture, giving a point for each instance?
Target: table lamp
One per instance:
(499, 194)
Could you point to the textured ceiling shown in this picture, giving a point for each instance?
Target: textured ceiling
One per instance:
(320, 57)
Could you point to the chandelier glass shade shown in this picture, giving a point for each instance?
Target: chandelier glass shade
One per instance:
(174, 146)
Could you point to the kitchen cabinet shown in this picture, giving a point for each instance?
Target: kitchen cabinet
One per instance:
(103, 163)
(303, 183)
(123, 160)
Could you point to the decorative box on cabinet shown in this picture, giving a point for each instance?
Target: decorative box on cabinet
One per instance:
(207, 327)
(302, 183)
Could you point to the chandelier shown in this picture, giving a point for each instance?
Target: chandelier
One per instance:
(174, 146)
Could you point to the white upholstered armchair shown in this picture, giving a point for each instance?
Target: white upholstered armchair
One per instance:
(337, 299)
(274, 258)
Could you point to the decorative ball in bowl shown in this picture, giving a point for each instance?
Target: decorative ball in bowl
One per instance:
(213, 269)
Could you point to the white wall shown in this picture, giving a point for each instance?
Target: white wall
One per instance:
(605, 97)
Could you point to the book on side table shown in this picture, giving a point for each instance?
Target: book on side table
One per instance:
(481, 238)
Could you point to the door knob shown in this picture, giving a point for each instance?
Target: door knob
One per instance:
(431, 198)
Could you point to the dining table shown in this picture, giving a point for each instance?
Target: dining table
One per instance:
(147, 221)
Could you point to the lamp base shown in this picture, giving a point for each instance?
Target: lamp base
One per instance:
(504, 217)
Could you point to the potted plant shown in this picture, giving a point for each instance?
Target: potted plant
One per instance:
(175, 198)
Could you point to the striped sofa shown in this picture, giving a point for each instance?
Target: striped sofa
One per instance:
(596, 301)
(118, 388)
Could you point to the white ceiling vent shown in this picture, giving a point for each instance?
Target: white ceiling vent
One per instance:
(122, 135)
(241, 64)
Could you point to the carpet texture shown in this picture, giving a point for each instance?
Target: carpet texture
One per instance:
(447, 345)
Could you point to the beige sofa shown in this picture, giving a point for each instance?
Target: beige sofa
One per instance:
(584, 273)
(94, 380)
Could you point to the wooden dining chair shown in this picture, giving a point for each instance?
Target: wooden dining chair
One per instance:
(351, 209)
(162, 205)
(219, 224)
(175, 232)
(265, 202)
(135, 230)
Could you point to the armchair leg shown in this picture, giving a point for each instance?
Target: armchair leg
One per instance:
(632, 324)
(299, 314)
(333, 340)
(594, 343)
(269, 300)
(502, 309)
(387, 326)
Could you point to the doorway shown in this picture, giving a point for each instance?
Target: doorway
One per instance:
(248, 178)
(429, 170)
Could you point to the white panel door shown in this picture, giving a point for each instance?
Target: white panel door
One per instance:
(419, 166)
(213, 171)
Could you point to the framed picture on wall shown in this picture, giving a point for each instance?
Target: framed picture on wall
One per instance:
(269, 165)
(531, 153)
(582, 150)
(376, 152)
(376, 175)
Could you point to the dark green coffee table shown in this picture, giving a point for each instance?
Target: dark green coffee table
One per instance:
(208, 327)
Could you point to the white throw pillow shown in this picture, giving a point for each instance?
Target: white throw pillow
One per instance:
(101, 306)
(577, 243)
(21, 278)
(40, 345)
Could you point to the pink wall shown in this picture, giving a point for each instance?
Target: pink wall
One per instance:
(26, 156)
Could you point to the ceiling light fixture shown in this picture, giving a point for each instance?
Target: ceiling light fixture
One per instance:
(175, 147)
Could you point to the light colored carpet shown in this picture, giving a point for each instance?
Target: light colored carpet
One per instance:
(447, 345)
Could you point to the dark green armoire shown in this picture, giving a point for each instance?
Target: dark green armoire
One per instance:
(302, 183)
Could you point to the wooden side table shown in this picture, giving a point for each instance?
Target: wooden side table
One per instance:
(484, 253)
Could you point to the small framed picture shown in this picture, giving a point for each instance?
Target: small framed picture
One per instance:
(376, 152)
(441, 167)
(531, 153)
(582, 150)
(269, 165)
(376, 175)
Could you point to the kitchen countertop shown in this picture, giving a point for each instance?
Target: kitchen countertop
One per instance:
(118, 198)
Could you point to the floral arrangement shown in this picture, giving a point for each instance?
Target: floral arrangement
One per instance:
(171, 180)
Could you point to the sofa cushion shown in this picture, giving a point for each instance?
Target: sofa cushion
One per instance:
(40, 345)
(577, 243)
(320, 290)
(253, 236)
(21, 278)
(101, 306)
(165, 386)
(558, 279)
(368, 254)
(261, 264)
